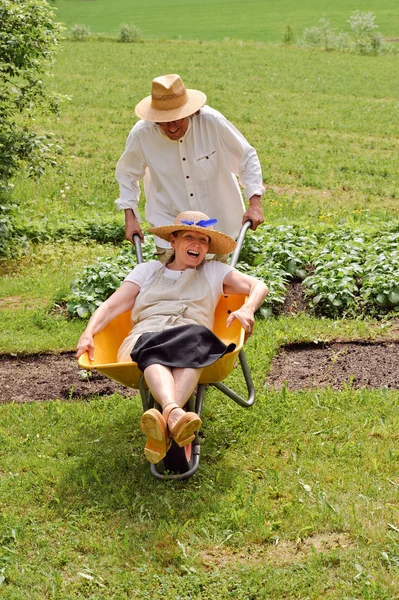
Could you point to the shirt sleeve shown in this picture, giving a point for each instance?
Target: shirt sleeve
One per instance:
(215, 272)
(244, 161)
(142, 273)
(130, 169)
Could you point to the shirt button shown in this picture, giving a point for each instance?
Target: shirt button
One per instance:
(191, 194)
(183, 159)
(181, 141)
(187, 176)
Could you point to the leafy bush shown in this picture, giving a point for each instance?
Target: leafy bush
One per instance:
(28, 39)
(129, 33)
(80, 33)
(322, 36)
(363, 26)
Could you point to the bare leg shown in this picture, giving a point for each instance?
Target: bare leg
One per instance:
(171, 386)
(161, 382)
(185, 382)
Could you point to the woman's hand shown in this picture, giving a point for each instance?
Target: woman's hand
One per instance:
(85, 344)
(246, 317)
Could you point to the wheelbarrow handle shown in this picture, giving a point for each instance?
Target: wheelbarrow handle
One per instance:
(138, 248)
(240, 241)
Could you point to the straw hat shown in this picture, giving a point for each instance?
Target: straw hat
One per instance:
(169, 101)
(191, 220)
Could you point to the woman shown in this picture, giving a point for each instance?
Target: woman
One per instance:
(173, 308)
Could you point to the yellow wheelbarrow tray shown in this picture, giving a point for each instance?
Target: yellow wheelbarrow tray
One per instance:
(179, 463)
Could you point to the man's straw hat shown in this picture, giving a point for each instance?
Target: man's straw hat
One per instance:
(191, 220)
(169, 101)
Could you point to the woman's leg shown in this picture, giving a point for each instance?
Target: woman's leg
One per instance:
(161, 382)
(185, 382)
(174, 387)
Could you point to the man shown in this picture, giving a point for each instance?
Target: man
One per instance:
(189, 157)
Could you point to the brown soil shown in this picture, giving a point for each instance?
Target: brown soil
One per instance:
(337, 364)
(50, 377)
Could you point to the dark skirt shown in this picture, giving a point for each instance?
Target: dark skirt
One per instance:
(190, 346)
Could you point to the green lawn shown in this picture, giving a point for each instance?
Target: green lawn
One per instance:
(260, 20)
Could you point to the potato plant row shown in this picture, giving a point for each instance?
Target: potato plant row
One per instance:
(345, 272)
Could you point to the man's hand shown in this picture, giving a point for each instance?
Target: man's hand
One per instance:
(132, 226)
(246, 317)
(254, 212)
(85, 344)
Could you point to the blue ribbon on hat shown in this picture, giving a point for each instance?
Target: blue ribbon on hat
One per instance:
(203, 223)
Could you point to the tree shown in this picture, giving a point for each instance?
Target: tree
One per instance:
(29, 36)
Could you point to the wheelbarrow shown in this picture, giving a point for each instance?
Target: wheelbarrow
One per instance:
(179, 463)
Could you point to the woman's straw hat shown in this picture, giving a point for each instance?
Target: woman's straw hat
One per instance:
(169, 101)
(191, 220)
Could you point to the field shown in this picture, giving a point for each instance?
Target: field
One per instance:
(219, 19)
(295, 498)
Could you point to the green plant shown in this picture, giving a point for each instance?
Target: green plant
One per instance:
(79, 33)
(28, 38)
(288, 35)
(129, 33)
(323, 36)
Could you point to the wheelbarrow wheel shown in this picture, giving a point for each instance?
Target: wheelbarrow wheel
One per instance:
(179, 460)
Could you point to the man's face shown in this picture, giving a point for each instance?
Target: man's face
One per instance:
(175, 130)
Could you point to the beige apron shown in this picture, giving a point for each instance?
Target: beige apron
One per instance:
(166, 303)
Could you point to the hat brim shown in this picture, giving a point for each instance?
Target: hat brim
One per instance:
(220, 243)
(144, 109)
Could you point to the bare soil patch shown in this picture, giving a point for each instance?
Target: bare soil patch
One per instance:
(337, 364)
(49, 377)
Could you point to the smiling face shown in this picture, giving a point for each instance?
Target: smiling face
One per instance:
(175, 130)
(190, 248)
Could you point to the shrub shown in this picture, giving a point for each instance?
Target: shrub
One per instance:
(322, 36)
(80, 32)
(129, 33)
(288, 35)
(28, 39)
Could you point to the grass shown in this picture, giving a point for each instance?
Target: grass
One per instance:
(295, 498)
(219, 19)
(29, 285)
(322, 125)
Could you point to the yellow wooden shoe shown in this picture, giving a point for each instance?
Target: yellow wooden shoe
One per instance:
(153, 426)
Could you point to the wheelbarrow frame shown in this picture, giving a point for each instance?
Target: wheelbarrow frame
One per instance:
(188, 456)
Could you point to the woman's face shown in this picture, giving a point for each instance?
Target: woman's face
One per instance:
(190, 247)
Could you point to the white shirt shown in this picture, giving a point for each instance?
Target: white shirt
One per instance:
(197, 172)
(214, 270)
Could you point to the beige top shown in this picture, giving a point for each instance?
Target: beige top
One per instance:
(166, 303)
